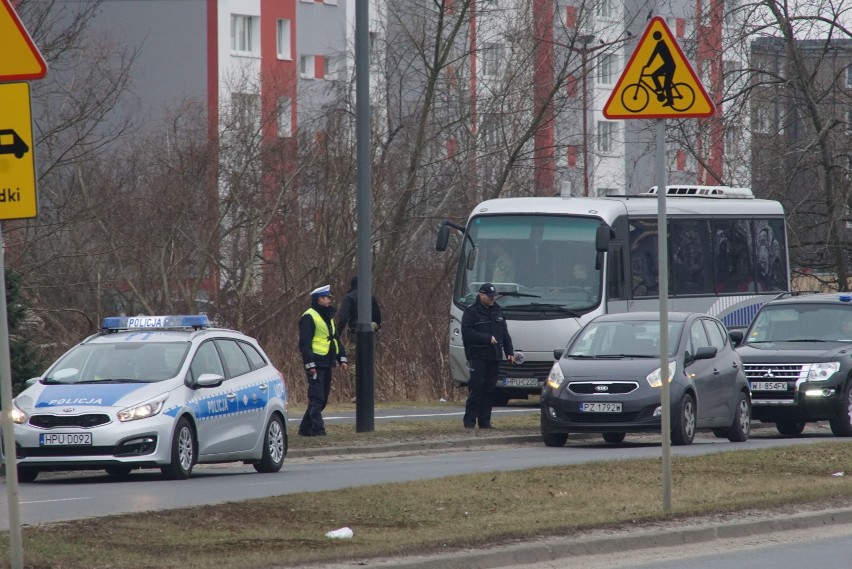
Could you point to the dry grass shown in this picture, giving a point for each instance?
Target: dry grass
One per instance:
(439, 515)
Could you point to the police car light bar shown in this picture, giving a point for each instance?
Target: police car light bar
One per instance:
(148, 322)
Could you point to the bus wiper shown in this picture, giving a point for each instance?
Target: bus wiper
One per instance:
(804, 340)
(518, 294)
(559, 307)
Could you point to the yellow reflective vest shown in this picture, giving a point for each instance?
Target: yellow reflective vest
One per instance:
(322, 339)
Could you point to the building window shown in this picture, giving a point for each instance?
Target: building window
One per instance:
(492, 58)
(606, 136)
(606, 68)
(761, 120)
(848, 121)
(849, 76)
(332, 2)
(246, 111)
(605, 8)
(283, 30)
(307, 67)
(335, 67)
(285, 117)
(245, 34)
(490, 133)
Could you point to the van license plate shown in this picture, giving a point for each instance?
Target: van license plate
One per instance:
(520, 382)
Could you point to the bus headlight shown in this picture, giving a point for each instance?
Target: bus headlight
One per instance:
(555, 377)
(823, 371)
(655, 377)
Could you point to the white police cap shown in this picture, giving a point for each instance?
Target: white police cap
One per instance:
(322, 291)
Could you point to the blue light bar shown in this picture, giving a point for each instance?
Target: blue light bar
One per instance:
(154, 322)
(845, 298)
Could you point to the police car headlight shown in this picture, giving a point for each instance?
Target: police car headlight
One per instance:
(556, 377)
(823, 371)
(142, 411)
(18, 416)
(655, 378)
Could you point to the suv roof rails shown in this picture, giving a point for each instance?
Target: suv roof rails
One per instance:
(789, 293)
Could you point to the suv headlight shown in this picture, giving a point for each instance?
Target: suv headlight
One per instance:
(143, 410)
(822, 371)
(655, 377)
(555, 377)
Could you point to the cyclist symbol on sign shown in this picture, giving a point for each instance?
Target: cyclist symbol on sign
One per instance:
(666, 70)
(678, 96)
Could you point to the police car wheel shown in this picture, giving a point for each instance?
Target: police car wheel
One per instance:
(27, 474)
(274, 446)
(183, 452)
(841, 424)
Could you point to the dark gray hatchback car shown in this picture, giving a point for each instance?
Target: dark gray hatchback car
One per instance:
(608, 380)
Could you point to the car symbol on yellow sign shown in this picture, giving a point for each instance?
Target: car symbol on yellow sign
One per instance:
(11, 143)
(658, 81)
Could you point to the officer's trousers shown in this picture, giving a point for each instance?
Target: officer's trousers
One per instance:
(318, 389)
(480, 392)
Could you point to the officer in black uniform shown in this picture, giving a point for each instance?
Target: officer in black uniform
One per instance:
(321, 349)
(486, 338)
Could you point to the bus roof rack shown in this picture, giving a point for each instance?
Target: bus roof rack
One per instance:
(704, 192)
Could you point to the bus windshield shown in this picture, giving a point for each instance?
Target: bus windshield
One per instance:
(536, 262)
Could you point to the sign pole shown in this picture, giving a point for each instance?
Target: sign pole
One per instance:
(662, 246)
(9, 456)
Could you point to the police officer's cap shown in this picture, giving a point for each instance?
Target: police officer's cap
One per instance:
(488, 290)
(321, 291)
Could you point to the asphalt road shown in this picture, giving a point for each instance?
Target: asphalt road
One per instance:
(87, 494)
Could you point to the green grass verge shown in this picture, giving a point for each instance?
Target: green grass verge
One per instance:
(438, 515)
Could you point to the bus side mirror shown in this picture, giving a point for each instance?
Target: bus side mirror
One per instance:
(602, 238)
(443, 237)
(557, 354)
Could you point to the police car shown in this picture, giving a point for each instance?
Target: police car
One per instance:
(162, 392)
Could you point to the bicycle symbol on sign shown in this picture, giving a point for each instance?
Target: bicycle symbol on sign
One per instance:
(635, 97)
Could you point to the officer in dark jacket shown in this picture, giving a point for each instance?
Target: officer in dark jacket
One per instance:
(486, 338)
(347, 318)
(321, 349)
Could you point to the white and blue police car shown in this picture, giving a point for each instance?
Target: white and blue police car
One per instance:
(163, 392)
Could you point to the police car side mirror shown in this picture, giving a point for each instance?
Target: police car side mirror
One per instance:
(209, 380)
(736, 337)
(31, 381)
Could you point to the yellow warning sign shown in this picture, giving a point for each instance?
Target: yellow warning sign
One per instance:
(21, 59)
(17, 166)
(658, 81)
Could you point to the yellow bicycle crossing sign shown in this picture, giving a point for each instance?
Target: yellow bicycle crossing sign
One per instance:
(658, 81)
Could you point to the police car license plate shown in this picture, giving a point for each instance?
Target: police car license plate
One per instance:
(65, 439)
(520, 382)
(600, 407)
(769, 386)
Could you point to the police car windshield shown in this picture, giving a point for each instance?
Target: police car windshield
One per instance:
(131, 362)
(805, 322)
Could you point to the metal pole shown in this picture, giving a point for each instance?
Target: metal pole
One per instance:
(364, 337)
(16, 554)
(662, 247)
(583, 54)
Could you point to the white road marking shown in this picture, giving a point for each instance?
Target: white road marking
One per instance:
(58, 500)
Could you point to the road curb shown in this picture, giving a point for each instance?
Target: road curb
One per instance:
(414, 446)
(555, 549)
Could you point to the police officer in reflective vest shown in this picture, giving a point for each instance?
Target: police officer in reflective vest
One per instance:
(486, 339)
(321, 349)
